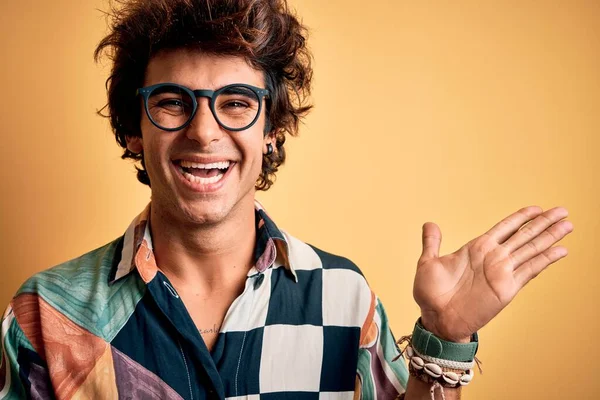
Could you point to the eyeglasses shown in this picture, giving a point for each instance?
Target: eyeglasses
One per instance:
(172, 107)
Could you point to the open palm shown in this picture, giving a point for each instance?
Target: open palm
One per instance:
(461, 292)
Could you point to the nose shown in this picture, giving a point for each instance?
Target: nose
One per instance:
(204, 128)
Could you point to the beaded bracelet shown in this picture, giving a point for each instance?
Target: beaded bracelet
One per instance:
(431, 373)
(437, 372)
(450, 376)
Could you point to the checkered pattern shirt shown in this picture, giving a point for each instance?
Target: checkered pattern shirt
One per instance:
(109, 325)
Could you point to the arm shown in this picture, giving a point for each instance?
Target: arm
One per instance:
(11, 386)
(377, 376)
(23, 374)
(461, 292)
(418, 390)
(458, 294)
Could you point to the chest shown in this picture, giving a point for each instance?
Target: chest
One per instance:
(208, 314)
(282, 336)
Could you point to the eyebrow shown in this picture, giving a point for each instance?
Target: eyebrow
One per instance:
(239, 90)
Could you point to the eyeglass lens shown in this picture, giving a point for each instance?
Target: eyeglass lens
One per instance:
(171, 107)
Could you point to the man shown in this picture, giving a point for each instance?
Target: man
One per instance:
(204, 296)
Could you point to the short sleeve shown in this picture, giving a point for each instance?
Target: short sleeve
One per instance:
(22, 373)
(377, 376)
(10, 383)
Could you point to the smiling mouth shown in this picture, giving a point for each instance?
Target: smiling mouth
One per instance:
(203, 174)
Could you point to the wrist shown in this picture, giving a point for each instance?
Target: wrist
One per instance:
(432, 327)
(427, 343)
(438, 363)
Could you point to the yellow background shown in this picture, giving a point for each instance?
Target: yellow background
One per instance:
(458, 113)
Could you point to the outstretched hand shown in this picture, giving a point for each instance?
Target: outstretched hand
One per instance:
(461, 292)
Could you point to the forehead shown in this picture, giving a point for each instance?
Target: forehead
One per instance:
(199, 70)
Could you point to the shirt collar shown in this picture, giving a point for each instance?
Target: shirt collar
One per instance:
(137, 251)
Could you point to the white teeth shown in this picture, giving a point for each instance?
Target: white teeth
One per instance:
(219, 165)
(202, 181)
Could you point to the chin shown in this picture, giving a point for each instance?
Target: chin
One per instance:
(206, 212)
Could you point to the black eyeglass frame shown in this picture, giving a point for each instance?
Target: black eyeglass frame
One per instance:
(145, 92)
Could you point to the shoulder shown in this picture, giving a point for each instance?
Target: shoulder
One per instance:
(307, 256)
(83, 272)
(346, 296)
(78, 293)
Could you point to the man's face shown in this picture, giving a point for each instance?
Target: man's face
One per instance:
(168, 155)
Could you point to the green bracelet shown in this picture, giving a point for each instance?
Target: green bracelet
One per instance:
(427, 344)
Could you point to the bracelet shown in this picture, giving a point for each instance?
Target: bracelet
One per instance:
(438, 362)
(427, 344)
(431, 373)
(462, 366)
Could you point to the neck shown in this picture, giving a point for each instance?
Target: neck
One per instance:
(204, 258)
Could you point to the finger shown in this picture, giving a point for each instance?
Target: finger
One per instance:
(531, 230)
(542, 242)
(536, 265)
(432, 238)
(509, 225)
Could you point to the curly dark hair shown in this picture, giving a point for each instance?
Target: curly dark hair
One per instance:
(265, 32)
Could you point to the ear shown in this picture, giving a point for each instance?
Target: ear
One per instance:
(269, 138)
(135, 144)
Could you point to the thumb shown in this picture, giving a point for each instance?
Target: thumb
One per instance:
(432, 238)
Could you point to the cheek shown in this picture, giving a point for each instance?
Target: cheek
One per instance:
(154, 148)
(149, 159)
(252, 146)
(253, 155)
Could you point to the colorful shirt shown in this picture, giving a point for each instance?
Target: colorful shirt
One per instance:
(110, 325)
